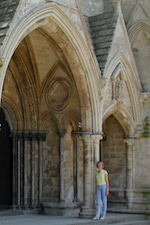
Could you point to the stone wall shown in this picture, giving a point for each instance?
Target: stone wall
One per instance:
(141, 163)
(114, 153)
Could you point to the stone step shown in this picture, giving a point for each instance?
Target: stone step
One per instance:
(10, 3)
(103, 23)
(102, 58)
(119, 219)
(6, 16)
(103, 33)
(104, 38)
(3, 31)
(101, 45)
(141, 222)
(7, 11)
(103, 27)
(10, 212)
(103, 16)
(102, 51)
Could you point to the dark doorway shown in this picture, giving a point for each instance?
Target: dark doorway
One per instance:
(5, 163)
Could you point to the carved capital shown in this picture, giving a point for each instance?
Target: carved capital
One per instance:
(144, 96)
(129, 141)
(61, 132)
(97, 137)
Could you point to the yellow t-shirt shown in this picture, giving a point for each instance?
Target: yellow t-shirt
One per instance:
(100, 177)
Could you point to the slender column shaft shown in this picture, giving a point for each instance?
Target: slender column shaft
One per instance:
(19, 170)
(96, 141)
(40, 143)
(129, 144)
(87, 169)
(78, 168)
(61, 134)
(40, 173)
(14, 169)
(32, 170)
(25, 171)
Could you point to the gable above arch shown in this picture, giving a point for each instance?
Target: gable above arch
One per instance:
(139, 14)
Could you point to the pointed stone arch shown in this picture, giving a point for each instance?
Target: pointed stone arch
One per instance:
(132, 20)
(12, 114)
(136, 28)
(121, 64)
(123, 117)
(79, 57)
(48, 115)
(73, 117)
(139, 35)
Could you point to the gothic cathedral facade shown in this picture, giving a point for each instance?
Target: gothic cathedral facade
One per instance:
(74, 89)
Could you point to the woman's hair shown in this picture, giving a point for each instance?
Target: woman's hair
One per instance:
(100, 163)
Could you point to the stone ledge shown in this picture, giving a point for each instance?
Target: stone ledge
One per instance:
(130, 211)
(61, 209)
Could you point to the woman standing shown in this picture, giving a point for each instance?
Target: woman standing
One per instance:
(102, 191)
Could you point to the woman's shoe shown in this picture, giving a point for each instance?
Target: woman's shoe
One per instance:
(102, 218)
(96, 218)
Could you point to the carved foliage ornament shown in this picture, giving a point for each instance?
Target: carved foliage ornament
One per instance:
(58, 94)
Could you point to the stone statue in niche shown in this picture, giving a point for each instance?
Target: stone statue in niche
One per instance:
(119, 88)
(59, 94)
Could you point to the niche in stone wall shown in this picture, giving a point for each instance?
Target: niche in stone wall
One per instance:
(114, 153)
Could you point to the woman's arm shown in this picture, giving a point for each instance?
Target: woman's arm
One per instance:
(107, 184)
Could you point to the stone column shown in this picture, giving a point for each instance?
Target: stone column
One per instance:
(32, 139)
(87, 169)
(14, 136)
(61, 134)
(129, 143)
(96, 141)
(25, 170)
(78, 167)
(41, 138)
(76, 136)
(96, 144)
(19, 169)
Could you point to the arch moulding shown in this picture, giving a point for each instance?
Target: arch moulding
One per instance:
(83, 66)
(121, 64)
(123, 117)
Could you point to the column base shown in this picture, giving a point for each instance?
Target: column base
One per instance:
(61, 209)
(87, 212)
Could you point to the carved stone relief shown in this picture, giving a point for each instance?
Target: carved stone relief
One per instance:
(29, 92)
(58, 94)
(119, 88)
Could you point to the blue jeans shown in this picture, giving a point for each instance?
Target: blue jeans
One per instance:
(101, 199)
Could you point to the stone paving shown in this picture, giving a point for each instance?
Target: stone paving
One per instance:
(61, 220)
(40, 220)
